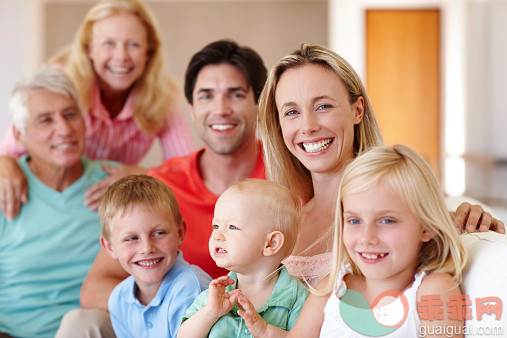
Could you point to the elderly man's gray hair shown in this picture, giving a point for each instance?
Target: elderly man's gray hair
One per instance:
(48, 78)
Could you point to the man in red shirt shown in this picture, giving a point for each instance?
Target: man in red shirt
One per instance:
(222, 85)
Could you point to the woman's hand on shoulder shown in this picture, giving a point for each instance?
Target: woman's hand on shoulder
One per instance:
(435, 298)
(13, 187)
(469, 217)
(96, 191)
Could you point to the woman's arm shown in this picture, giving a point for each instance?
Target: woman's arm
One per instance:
(13, 187)
(104, 275)
(311, 318)
(446, 291)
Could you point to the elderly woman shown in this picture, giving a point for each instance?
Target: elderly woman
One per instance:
(314, 118)
(46, 252)
(117, 65)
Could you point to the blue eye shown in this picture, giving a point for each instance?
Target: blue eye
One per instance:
(387, 221)
(324, 106)
(159, 233)
(214, 226)
(237, 95)
(353, 221)
(291, 113)
(233, 227)
(131, 238)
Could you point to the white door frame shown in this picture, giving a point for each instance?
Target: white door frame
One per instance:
(347, 36)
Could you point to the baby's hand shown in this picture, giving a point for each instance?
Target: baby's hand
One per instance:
(256, 325)
(219, 301)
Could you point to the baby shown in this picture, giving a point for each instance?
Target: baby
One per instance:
(142, 228)
(255, 226)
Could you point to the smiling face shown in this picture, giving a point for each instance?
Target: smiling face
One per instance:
(54, 132)
(240, 230)
(223, 110)
(118, 51)
(381, 234)
(316, 117)
(145, 243)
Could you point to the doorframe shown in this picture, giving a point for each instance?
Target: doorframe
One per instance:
(347, 36)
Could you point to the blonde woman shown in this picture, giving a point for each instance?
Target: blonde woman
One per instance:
(314, 119)
(117, 64)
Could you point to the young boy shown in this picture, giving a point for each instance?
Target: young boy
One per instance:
(142, 228)
(255, 226)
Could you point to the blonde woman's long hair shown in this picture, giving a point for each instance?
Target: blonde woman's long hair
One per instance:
(155, 90)
(411, 176)
(281, 165)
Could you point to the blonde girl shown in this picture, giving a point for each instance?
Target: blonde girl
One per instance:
(117, 65)
(392, 232)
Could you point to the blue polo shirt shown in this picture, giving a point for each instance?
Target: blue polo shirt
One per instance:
(162, 317)
(281, 310)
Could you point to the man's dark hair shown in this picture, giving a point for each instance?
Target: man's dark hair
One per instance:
(245, 59)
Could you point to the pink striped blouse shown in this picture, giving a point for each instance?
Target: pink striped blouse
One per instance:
(120, 139)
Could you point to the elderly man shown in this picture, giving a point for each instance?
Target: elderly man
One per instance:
(46, 252)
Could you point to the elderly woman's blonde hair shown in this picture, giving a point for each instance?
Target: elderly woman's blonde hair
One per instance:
(412, 178)
(155, 90)
(281, 165)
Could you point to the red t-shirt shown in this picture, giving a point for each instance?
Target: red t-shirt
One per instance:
(197, 205)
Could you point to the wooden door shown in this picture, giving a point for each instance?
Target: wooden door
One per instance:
(403, 78)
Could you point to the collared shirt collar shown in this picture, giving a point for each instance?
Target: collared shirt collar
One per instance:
(162, 290)
(284, 293)
(100, 111)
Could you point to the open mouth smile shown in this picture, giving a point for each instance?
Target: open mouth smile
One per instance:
(315, 147)
(372, 257)
(149, 262)
(120, 70)
(222, 126)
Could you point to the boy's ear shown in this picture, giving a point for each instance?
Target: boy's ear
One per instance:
(182, 231)
(108, 247)
(274, 242)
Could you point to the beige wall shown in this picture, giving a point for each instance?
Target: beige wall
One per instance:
(273, 28)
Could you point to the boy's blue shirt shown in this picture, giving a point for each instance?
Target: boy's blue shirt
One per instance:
(281, 310)
(162, 316)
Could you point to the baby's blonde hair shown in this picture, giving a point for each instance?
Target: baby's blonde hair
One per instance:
(155, 90)
(133, 192)
(411, 176)
(278, 202)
